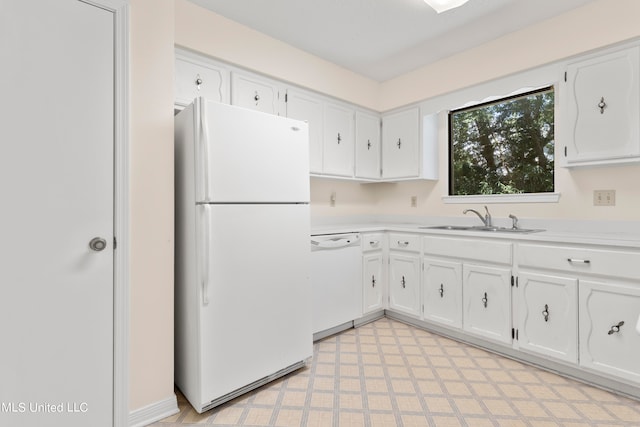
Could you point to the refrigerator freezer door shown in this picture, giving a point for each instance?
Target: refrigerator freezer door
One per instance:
(255, 299)
(248, 156)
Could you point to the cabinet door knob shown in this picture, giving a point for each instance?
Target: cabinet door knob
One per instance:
(403, 282)
(615, 328)
(256, 98)
(373, 281)
(545, 313)
(399, 143)
(368, 145)
(339, 138)
(602, 105)
(198, 81)
(485, 300)
(441, 290)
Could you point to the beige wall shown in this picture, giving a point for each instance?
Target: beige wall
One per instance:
(151, 258)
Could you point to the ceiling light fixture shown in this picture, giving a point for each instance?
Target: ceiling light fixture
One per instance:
(443, 5)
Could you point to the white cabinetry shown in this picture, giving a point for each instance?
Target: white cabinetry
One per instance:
(373, 278)
(609, 342)
(303, 106)
(547, 317)
(603, 109)
(256, 93)
(606, 307)
(400, 144)
(487, 302)
(475, 275)
(195, 76)
(404, 273)
(367, 145)
(338, 144)
(442, 292)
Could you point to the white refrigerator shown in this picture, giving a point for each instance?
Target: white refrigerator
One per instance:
(242, 291)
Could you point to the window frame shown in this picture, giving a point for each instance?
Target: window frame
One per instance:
(542, 197)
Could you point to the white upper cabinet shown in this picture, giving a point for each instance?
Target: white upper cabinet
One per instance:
(367, 146)
(256, 93)
(338, 143)
(603, 109)
(196, 77)
(302, 106)
(400, 144)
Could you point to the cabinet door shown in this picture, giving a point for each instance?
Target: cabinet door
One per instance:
(404, 283)
(338, 150)
(487, 302)
(400, 144)
(442, 292)
(373, 283)
(367, 146)
(548, 315)
(604, 107)
(254, 93)
(609, 342)
(195, 78)
(305, 107)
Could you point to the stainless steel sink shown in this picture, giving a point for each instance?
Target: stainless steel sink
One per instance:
(482, 228)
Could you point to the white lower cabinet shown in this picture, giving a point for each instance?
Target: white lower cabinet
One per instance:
(404, 283)
(442, 292)
(487, 302)
(373, 282)
(547, 315)
(609, 342)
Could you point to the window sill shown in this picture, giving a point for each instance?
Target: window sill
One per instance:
(504, 198)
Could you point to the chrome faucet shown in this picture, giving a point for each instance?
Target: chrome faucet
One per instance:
(514, 221)
(486, 220)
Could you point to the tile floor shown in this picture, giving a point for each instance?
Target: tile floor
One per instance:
(387, 374)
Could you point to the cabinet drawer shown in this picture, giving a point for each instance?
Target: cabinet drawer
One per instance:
(481, 250)
(605, 262)
(372, 242)
(404, 242)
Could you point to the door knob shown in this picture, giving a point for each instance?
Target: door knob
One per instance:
(97, 244)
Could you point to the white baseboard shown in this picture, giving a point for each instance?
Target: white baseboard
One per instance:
(154, 412)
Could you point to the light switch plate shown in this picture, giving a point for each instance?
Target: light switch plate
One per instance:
(604, 197)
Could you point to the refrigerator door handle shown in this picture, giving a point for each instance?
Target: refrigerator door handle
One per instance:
(205, 254)
(204, 140)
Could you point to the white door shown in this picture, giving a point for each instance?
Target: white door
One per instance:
(400, 149)
(305, 107)
(56, 185)
(404, 283)
(486, 295)
(338, 148)
(254, 93)
(442, 298)
(250, 156)
(367, 146)
(373, 282)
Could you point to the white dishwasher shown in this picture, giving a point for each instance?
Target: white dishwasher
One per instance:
(336, 282)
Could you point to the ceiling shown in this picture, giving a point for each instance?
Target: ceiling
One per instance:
(382, 39)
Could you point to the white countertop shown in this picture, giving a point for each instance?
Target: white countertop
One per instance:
(621, 234)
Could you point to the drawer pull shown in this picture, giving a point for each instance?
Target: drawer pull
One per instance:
(373, 281)
(615, 328)
(373, 243)
(485, 300)
(545, 313)
(403, 282)
(403, 244)
(579, 261)
(441, 290)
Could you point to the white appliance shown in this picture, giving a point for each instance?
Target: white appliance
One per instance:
(242, 298)
(336, 283)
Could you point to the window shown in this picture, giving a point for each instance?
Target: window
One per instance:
(504, 146)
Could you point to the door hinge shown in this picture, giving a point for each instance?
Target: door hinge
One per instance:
(286, 97)
(512, 281)
(422, 308)
(115, 243)
(514, 334)
(565, 151)
(565, 76)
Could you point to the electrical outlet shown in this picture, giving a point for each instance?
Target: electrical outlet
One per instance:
(604, 197)
(414, 201)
